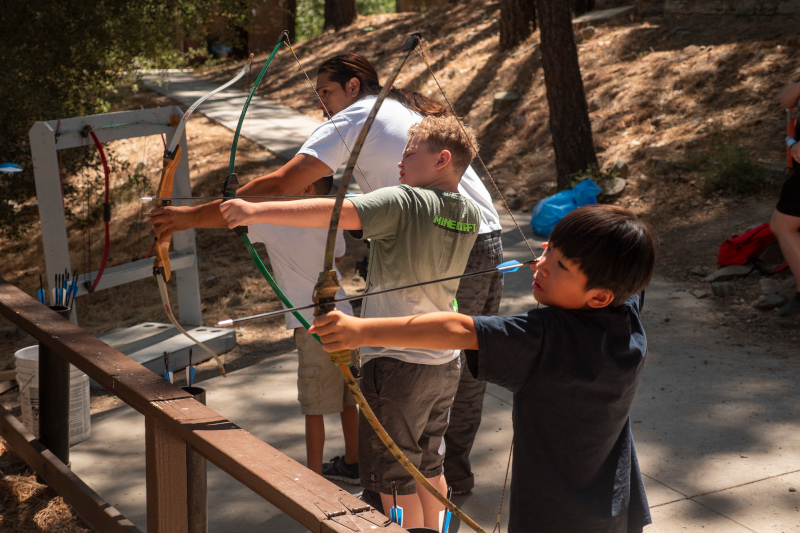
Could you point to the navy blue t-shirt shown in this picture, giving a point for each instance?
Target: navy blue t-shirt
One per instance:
(574, 375)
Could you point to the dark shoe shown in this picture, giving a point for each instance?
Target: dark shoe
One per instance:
(789, 308)
(339, 470)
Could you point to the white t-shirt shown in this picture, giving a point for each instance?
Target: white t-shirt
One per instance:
(383, 150)
(296, 257)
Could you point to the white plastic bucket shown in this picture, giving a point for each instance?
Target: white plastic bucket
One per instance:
(27, 363)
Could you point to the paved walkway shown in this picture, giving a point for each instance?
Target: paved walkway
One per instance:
(717, 424)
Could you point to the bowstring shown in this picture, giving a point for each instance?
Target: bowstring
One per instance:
(288, 43)
(420, 51)
(503, 494)
(477, 155)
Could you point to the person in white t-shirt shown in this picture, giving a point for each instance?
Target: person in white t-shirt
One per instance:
(347, 85)
(321, 389)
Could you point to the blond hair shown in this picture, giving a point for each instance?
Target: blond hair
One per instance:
(447, 133)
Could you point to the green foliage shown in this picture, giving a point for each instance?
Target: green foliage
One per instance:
(727, 166)
(371, 7)
(593, 172)
(310, 19)
(62, 59)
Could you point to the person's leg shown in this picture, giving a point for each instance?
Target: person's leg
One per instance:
(477, 295)
(321, 391)
(407, 399)
(787, 230)
(432, 439)
(349, 417)
(315, 442)
(412, 508)
(431, 507)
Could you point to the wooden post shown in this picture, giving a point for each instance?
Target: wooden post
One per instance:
(196, 478)
(166, 479)
(54, 398)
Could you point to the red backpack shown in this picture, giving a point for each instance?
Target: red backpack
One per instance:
(747, 247)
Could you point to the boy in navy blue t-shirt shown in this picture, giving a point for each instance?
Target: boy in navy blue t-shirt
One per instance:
(573, 367)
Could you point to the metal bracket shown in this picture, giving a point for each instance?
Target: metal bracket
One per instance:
(340, 515)
(368, 513)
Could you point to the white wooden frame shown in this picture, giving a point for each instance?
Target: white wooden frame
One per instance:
(111, 127)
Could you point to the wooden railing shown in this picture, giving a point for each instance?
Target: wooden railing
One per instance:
(173, 420)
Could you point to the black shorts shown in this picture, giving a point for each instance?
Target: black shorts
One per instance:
(789, 201)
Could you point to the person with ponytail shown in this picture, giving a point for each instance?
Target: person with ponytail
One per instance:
(348, 85)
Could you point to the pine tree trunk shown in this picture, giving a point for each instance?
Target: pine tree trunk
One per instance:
(569, 114)
(579, 7)
(290, 21)
(340, 13)
(517, 22)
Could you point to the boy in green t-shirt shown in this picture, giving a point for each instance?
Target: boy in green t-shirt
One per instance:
(420, 230)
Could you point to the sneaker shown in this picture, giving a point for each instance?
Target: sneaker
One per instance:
(789, 308)
(339, 470)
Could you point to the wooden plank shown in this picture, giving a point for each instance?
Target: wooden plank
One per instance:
(115, 372)
(174, 417)
(6, 386)
(277, 478)
(136, 270)
(167, 510)
(92, 509)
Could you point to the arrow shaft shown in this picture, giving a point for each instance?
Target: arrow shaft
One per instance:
(154, 198)
(384, 291)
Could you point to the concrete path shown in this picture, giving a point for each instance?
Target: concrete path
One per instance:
(716, 423)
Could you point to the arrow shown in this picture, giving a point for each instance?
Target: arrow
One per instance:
(504, 268)
(153, 198)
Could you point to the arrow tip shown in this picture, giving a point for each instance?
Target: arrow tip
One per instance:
(226, 322)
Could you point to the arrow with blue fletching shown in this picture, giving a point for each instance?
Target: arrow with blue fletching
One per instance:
(504, 268)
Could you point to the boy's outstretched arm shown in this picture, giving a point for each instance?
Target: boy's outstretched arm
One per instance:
(311, 213)
(432, 331)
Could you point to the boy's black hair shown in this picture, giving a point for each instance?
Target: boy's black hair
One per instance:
(615, 249)
(323, 185)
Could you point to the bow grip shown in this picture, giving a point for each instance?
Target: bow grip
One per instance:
(324, 295)
(170, 164)
(229, 188)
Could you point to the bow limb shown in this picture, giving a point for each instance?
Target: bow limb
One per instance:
(162, 289)
(172, 157)
(328, 284)
(477, 155)
(231, 185)
(171, 160)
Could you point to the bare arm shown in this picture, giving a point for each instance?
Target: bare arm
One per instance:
(432, 331)
(311, 213)
(790, 95)
(295, 175)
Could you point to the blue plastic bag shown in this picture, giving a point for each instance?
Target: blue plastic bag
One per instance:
(550, 210)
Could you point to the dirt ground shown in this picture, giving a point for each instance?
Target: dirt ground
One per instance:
(662, 91)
